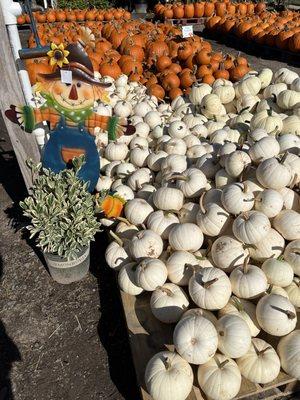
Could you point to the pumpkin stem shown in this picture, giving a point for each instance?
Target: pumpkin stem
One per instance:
(236, 303)
(202, 208)
(263, 350)
(288, 313)
(166, 362)
(293, 181)
(165, 290)
(222, 364)
(245, 264)
(178, 177)
(284, 157)
(122, 219)
(116, 238)
(209, 283)
(245, 215)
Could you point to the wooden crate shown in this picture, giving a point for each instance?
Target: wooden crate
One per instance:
(148, 336)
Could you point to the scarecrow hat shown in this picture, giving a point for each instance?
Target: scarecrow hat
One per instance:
(78, 62)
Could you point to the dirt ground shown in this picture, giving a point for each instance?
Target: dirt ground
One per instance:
(59, 342)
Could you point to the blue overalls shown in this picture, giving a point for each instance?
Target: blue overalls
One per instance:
(67, 142)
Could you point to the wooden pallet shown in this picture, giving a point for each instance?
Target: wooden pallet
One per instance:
(148, 336)
(198, 23)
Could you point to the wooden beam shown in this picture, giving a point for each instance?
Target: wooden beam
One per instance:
(24, 144)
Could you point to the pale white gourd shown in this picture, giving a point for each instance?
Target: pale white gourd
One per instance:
(288, 99)
(237, 198)
(177, 102)
(210, 288)
(146, 244)
(265, 76)
(211, 106)
(168, 303)
(153, 118)
(248, 281)
(150, 273)
(139, 142)
(138, 156)
(212, 219)
(251, 227)
(264, 148)
(214, 125)
(122, 109)
(267, 120)
(137, 211)
(181, 266)
(168, 377)
(292, 161)
(195, 152)
(260, 364)
(289, 142)
(276, 315)
(277, 290)
(248, 85)
(247, 102)
(244, 309)
(126, 280)
(288, 350)
(161, 223)
(295, 85)
(292, 255)
(269, 202)
(212, 196)
(116, 255)
(125, 230)
(167, 199)
(291, 125)
(278, 272)
(268, 104)
(287, 223)
(274, 89)
(202, 313)
(208, 164)
(222, 178)
(115, 151)
(293, 291)
(256, 134)
(158, 132)
(272, 174)
(188, 212)
(124, 169)
(195, 339)
(124, 192)
(236, 162)
(191, 182)
(173, 163)
(146, 192)
(191, 119)
(272, 246)
(154, 160)
(191, 140)
(225, 93)
(285, 75)
(177, 129)
(200, 131)
(234, 336)
(227, 253)
(139, 177)
(103, 183)
(186, 237)
(175, 146)
(142, 108)
(198, 91)
(291, 199)
(219, 378)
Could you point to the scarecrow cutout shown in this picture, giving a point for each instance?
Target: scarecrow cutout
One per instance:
(70, 93)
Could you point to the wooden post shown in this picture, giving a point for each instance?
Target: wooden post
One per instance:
(24, 144)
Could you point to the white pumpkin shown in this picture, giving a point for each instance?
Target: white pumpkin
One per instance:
(222, 178)
(186, 237)
(267, 120)
(138, 156)
(212, 219)
(153, 118)
(237, 198)
(116, 255)
(208, 164)
(265, 76)
(272, 174)
(177, 129)
(168, 377)
(125, 230)
(150, 273)
(175, 146)
(251, 227)
(248, 281)
(154, 160)
(198, 91)
(264, 148)
(195, 339)
(293, 291)
(124, 169)
(139, 142)
(191, 140)
(269, 202)
(247, 102)
(272, 246)
(276, 315)
(249, 85)
(289, 353)
(181, 266)
(288, 99)
(124, 192)
(260, 364)
(287, 223)
(123, 109)
(210, 288)
(161, 223)
(291, 125)
(146, 244)
(126, 280)
(167, 199)
(278, 272)
(202, 313)
(211, 106)
(291, 199)
(285, 75)
(274, 89)
(219, 378)
(137, 211)
(191, 182)
(289, 142)
(295, 85)
(168, 303)
(116, 151)
(188, 213)
(292, 255)
(142, 108)
(225, 93)
(139, 177)
(146, 192)
(234, 336)
(173, 163)
(227, 253)
(244, 309)
(236, 162)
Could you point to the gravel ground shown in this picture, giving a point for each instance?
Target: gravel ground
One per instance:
(59, 342)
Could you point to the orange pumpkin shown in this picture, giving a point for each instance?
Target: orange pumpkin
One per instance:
(112, 206)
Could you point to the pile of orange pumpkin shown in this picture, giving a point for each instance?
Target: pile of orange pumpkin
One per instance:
(276, 29)
(206, 9)
(153, 54)
(59, 15)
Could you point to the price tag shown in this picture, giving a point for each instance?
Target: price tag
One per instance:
(66, 76)
(187, 31)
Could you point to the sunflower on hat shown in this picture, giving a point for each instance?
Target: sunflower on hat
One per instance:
(58, 55)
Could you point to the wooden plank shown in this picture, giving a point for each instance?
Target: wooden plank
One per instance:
(23, 143)
(148, 336)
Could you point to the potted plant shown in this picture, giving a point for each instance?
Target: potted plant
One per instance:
(62, 219)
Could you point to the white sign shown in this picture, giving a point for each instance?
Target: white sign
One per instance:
(66, 76)
(187, 31)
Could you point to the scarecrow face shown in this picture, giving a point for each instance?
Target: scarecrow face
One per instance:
(78, 95)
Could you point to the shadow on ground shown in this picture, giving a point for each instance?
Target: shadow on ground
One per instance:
(112, 325)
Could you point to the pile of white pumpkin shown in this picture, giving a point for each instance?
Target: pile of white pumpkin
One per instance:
(211, 227)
